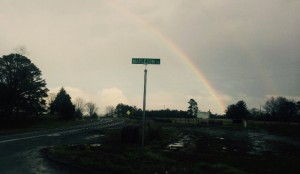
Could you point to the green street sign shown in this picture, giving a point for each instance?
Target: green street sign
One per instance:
(145, 61)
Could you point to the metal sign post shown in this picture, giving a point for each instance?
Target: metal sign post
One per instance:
(145, 61)
(144, 106)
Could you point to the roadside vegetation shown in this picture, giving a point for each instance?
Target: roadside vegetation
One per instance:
(37, 124)
(228, 148)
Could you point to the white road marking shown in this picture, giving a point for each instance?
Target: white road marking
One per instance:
(25, 138)
(57, 134)
(38, 136)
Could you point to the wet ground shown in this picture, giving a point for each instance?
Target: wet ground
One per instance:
(245, 149)
(194, 149)
(257, 141)
(247, 141)
(21, 153)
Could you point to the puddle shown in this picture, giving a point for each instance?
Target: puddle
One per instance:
(95, 145)
(179, 144)
(84, 145)
(186, 139)
(93, 136)
(259, 143)
(54, 135)
(175, 146)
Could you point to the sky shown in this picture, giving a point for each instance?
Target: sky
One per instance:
(214, 51)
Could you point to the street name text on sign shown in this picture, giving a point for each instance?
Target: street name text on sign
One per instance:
(146, 61)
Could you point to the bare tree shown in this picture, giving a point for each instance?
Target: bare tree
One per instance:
(281, 109)
(110, 111)
(79, 105)
(50, 99)
(91, 108)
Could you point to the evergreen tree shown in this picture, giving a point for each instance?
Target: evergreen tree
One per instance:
(193, 108)
(63, 105)
(21, 86)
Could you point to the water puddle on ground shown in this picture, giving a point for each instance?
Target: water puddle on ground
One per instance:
(54, 135)
(85, 146)
(259, 143)
(93, 136)
(179, 144)
(34, 162)
(95, 145)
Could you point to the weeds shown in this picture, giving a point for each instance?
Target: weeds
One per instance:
(219, 149)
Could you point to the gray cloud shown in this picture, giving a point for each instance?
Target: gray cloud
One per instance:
(246, 49)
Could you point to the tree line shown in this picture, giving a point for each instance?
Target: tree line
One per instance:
(23, 93)
(278, 109)
(61, 104)
(123, 110)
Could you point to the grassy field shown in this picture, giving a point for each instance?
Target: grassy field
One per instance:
(227, 148)
(36, 123)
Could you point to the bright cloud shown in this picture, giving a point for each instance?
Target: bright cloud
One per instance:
(111, 97)
(103, 98)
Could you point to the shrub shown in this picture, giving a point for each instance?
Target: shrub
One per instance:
(133, 133)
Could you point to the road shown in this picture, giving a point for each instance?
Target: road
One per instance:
(20, 153)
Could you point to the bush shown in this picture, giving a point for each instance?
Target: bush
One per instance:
(215, 122)
(237, 121)
(163, 120)
(133, 133)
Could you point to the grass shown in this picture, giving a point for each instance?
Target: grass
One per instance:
(36, 123)
(217, 149)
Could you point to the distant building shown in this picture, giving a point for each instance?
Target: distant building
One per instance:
(203, 115)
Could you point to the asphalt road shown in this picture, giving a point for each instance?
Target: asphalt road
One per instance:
(20, 153)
